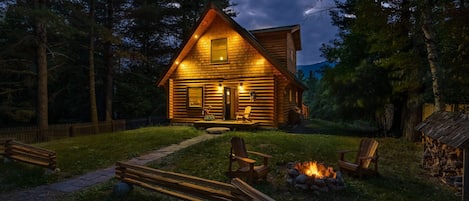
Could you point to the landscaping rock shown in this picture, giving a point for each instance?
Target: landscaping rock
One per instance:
(121, 189)
(217, 130)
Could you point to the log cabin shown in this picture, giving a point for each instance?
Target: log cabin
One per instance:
(226, 68)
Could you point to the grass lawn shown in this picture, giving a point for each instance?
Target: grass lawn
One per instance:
(401, 177)
(399, 164)
(79, 155)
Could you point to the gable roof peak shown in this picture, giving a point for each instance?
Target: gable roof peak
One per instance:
(203, 23)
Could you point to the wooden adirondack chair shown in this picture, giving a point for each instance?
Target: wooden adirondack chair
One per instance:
(366, 154)
(246, 167)
(244, 115)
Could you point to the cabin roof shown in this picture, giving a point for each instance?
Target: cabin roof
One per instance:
(451, 128)
(202, 25)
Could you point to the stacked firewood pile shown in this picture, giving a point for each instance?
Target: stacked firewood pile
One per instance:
(443, 161)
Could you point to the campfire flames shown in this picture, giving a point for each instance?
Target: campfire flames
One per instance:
(311, 175)
(316, 170)
(314, 176)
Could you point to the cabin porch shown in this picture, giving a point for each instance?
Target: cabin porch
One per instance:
(232, 124)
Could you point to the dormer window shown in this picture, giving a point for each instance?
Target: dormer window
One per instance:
(219, 51)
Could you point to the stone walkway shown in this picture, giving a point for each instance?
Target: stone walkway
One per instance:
(56, 191)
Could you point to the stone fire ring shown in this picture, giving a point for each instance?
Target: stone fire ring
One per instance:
(217, 130)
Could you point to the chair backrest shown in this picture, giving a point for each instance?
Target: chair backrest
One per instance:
(247, 111)
(238, 148)
(367, 148)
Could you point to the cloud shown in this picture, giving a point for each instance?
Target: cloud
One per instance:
(316, 27)
(319, 6)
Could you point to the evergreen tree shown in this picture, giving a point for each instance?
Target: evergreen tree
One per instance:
(394, 42)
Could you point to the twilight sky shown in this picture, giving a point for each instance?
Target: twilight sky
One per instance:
(314, 22)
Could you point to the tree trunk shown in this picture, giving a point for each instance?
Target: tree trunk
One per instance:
(411, 117)
(109, 65)
(397, 120)
(92, 82)
(432, 55)
(42, 111)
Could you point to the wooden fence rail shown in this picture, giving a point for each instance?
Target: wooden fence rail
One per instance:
(35, 135)
(186, 187)
(30, 154)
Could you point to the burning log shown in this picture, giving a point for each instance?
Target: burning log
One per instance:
(315, 176)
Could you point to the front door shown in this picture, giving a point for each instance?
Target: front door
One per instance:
(229, 98)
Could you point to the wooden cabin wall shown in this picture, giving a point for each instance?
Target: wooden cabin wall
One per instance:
(281, 85)
(262, 106)
(170, 99)
(243, 59)
(283, 99)
(244, 65)
(291, 54)
(276, 44)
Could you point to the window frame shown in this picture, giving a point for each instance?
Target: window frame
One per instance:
(223, 50)
(190, 96)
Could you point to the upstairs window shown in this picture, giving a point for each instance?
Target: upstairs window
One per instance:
(219, 51)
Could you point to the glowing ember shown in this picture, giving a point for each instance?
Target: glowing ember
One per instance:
(316, 170)
(314, 176)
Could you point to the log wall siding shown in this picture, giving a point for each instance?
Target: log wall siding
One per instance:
(245, 64)
(243, 59)
(291, 54)
(170, 99)
(262, 107)
(281, 46)
(284, 105)
(275, 44)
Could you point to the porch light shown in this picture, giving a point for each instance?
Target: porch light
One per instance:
(220, 86)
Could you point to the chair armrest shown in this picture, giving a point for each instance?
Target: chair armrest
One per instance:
(260, 154)
(373, 158)
(247, 160)
(363, 158)
(343, 152)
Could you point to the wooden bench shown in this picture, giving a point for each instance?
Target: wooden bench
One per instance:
(2, 145)
(30, 154)
(186, 187)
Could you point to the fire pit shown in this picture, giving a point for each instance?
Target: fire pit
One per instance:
(315, 176)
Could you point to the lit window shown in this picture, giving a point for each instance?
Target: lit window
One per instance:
(296, 97)
(219, 50)
(194, 96)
